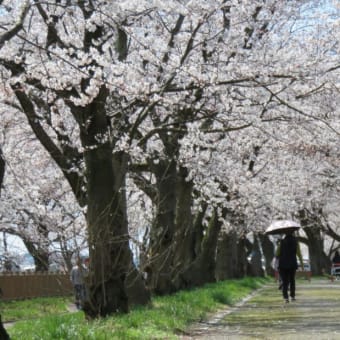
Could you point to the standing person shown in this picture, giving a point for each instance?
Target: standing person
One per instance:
(287, 252)
(336, 257)
(77, 278)
(335, 270)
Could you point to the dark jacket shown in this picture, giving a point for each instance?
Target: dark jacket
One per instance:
(288, 253)
(336, 258)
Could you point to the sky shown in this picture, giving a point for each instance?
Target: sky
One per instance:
(14, 245)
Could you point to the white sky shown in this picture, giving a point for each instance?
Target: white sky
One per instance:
(14, 245)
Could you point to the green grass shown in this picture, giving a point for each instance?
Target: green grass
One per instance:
(33, 308)
(167, 317)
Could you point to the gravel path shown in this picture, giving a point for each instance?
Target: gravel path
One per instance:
(314, 316)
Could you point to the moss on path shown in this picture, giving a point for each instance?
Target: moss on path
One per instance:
(315, 315)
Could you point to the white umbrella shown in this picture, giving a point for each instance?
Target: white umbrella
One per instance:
(282, 227)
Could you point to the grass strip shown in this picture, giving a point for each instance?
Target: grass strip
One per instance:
(165, 318)
(16, 310)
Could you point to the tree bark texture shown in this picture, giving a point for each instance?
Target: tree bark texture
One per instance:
(3, 333)
(319, 261)
(40, 255)
(108, 236)
(256, 259)
(110, 254)
(203, 268)
(185, 235)
(268, 252)
(2, 168)
(160, 254)
(227, 260)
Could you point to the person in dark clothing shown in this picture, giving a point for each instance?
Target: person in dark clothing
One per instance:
(336, 257)
(287, 252)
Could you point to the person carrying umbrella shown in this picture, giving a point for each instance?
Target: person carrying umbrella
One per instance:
(287, 252)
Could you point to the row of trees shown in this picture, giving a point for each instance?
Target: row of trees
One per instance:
(178, 127)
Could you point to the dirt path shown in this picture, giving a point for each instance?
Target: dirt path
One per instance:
(314, 316)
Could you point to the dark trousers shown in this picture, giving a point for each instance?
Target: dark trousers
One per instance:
(80, 294)
(288, 280)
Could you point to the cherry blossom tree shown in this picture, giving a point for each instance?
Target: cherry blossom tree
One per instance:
(113, 87)
(37, 205)
(208, 105)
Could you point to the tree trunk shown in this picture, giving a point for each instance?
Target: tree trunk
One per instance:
(134, 283)
(108, 236)
(268, 253)
(2, 168)
(319, 261)
(136, 288)
(41, 261)
(256, 259)
(3, 334)
(227, 261)
(162, 231)
(40, 255)
(203, 268)
(242, 257)
(185, 237)
(110, 254)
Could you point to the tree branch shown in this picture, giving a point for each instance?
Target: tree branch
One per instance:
(76, 182)
(17, 28)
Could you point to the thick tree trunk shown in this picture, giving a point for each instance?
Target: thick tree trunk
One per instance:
(111, 258)
(41, 262)
(108, 236)
(2, 168)
(227, 261)
(136, 288)
(3, 334)
(40, 255)
(163, 230)
(189, 249)
(268, 252)
(185, 237)
(319, 261)
(242, 257)
(203, 268)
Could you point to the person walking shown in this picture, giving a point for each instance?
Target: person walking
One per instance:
(287, 252)
(77, 276)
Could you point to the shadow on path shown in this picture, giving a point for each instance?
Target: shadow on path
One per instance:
(315, 315)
